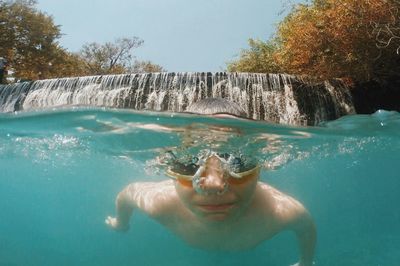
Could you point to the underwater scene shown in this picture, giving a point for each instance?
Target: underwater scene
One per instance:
(62, 169)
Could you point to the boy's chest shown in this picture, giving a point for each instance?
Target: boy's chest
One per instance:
(245, 237)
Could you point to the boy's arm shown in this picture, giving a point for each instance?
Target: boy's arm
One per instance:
(150, 197)
(125, 203)
(292, 215)
(306, 234)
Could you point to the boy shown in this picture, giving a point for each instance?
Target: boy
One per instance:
(215, 201)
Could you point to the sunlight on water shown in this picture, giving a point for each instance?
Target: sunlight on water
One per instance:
(62, 169)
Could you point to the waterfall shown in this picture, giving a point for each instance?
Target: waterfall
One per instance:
(278, 98)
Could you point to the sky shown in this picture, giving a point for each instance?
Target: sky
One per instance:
(179, 35)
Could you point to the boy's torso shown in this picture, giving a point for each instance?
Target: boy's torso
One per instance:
(247, 231)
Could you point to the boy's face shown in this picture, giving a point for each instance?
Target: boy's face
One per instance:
(224, 197)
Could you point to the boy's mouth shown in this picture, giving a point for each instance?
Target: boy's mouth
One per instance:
(216, 207)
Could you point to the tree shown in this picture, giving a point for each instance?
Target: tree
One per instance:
(260, 57)
(146, 67)
(356, 39)
(68, 65)
(338, 38)
(28, 39)
(29, 43)
(110, 58)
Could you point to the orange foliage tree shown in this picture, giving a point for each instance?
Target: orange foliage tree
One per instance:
(340, 38)
(357, 39)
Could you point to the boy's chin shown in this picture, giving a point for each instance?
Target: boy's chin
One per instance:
(216, 217)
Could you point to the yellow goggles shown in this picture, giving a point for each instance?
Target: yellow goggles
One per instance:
(237, 169)
(241, 175)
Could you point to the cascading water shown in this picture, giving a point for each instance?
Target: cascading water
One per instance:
(276, 98)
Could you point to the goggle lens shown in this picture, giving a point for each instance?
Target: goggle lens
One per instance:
(186, 168)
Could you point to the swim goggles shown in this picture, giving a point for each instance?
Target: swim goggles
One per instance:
(188, 170)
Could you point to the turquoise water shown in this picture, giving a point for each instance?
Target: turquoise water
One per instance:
(61, 170)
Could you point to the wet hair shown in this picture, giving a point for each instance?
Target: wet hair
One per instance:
(212, 106)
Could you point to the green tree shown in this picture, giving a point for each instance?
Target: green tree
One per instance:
(28, 39)
(29, 42)
(68, 65)
(260, 57)
(110, 58)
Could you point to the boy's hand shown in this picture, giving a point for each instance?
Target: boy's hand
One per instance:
(114, 224)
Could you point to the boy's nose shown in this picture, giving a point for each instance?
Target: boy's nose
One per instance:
(214, 182)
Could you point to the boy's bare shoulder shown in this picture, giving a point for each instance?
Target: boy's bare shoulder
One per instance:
(154, 198)
(165, 184)
(285, 208)
(150, 189)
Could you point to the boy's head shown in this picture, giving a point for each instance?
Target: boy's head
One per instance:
(215, 187)
(216, 106)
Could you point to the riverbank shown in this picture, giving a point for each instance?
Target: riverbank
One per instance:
(368, 97)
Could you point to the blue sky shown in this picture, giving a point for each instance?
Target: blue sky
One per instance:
(180, 35)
